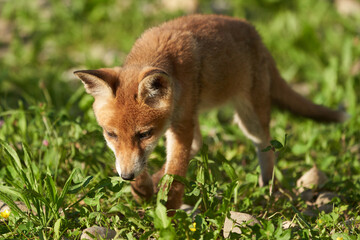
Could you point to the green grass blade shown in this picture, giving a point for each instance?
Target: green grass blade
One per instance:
(29, 193)
(12, 153)
(51, 189)
(27, 160)
(12, 191)
(45, 213)
(66, 188)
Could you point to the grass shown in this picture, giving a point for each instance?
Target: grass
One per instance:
(54, 159)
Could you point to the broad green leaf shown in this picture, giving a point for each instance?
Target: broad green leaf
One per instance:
(93, 201)
(200, 176)
(230, 171)
(196, 192)
(81, 185)
(251, 178)
(165, 184)
(286, 235)
(161, 218)
(268, 148)
(276, 144)
(167, 234)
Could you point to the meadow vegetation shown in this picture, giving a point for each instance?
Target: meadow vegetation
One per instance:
(54, 161)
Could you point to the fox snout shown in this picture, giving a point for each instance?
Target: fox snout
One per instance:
(130, 167)
(129, 176)
(126, 175)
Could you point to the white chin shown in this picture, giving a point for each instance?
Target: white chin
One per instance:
(118, 169)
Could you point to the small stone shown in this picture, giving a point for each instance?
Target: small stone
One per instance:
(325, 198)
(98, 233)
(312, 179)
(236, 220)
(20, 205)
(323, 201)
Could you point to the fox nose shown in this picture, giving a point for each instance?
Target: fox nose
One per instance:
(127, 176)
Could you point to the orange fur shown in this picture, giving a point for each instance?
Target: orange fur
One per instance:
(173, 72)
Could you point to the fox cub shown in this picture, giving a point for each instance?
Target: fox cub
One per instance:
(173, 72)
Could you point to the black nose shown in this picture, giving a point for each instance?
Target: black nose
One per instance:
(127, 176)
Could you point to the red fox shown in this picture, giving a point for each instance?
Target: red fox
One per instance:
(175, 71)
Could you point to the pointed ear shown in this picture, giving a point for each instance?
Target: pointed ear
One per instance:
(155, 89)
(101, 82)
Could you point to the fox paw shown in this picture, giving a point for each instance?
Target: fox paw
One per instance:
(142, 189)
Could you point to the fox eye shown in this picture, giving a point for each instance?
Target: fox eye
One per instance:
(111, 134)
(144, 135)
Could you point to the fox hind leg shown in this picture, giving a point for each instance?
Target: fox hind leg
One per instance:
(197, 140)
(254, 120)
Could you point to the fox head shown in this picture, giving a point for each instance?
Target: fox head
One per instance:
(133, 107)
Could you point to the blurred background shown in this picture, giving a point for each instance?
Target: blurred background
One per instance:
(43, 41)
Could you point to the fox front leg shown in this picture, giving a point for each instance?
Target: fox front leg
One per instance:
(178, 145)
(195, 147)
(142, 187)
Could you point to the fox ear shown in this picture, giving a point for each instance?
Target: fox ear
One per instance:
(101, 82)
(155, 89)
